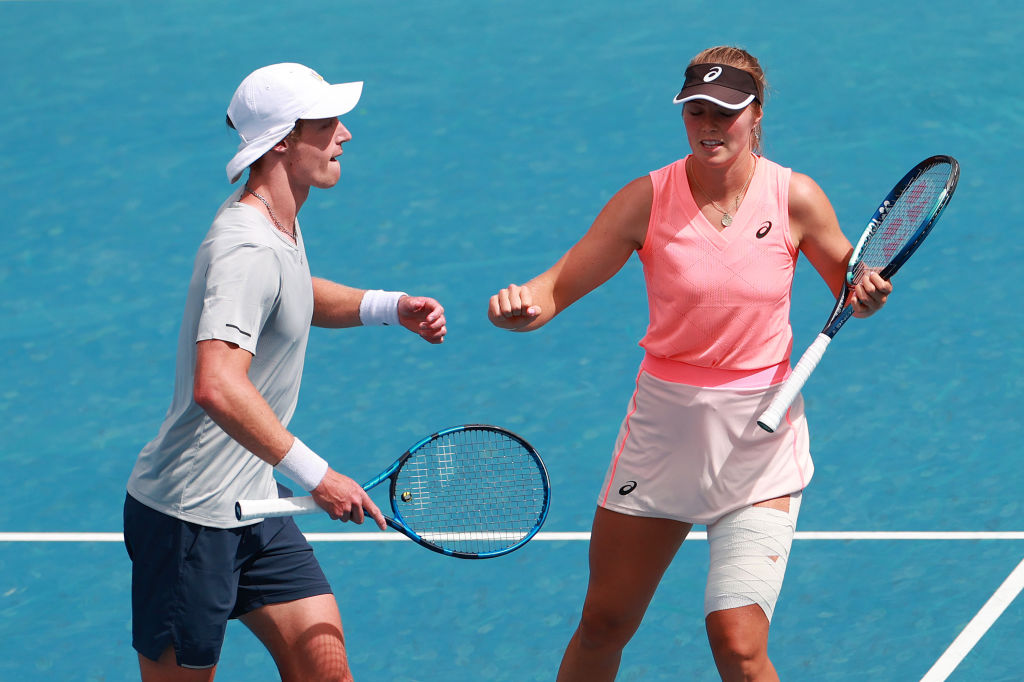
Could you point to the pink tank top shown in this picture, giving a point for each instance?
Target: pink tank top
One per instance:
(719, 299)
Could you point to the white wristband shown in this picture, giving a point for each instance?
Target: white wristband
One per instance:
(380, 307)
(303, 466)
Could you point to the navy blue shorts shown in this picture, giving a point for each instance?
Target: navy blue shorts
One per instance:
(188, 580)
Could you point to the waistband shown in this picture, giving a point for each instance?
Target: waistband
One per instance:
(711, 377)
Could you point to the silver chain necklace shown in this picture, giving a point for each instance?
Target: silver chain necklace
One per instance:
(272, 216)
(726, 218)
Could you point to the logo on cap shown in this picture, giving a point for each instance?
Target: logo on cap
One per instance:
(714, 73)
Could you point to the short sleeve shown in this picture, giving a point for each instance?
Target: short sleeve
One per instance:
(242, 288)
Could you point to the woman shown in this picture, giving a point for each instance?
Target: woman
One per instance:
(718, 233)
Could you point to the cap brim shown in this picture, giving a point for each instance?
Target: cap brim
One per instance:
(338, 99)
(722, 96)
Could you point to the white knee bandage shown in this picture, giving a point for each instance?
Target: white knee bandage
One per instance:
(749, 552)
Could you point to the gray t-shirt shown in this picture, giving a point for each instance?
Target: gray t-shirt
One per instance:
(250, 286)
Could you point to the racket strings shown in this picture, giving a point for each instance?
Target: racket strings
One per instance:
(900, 222)
(472, 491)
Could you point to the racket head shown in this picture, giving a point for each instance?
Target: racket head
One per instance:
(904, 218)
(473, 491)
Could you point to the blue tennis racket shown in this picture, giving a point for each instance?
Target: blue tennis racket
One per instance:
(472, 492)
(898, 227)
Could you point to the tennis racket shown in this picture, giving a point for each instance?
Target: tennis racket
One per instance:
(472, 492)
(898, 227)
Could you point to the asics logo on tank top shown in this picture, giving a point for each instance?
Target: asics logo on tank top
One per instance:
(628, 488)
(765, 228)
(714, 73)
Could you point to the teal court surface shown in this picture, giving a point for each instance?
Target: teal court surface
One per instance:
(488, 137)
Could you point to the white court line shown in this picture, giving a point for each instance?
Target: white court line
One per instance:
(377, 536)
(948, 662)
(978, 626)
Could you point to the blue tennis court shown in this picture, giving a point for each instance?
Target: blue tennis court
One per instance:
(488, 137)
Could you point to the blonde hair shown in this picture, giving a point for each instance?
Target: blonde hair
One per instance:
(741, 59)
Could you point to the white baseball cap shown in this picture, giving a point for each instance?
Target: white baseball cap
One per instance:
(270, 100)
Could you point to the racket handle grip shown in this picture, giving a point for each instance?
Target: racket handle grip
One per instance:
(247, 510)
(770, 419)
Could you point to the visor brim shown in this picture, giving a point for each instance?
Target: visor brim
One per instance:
(723, 97)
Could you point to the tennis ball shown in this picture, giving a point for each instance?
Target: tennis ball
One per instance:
(406, 496)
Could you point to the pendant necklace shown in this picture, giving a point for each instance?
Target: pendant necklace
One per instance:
(726, 218)
(273, 217)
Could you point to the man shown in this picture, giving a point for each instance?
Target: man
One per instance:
(250, 304)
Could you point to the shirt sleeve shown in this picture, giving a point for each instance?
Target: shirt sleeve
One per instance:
(242, 289)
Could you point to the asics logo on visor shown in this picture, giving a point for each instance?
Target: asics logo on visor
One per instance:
(714, 73)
